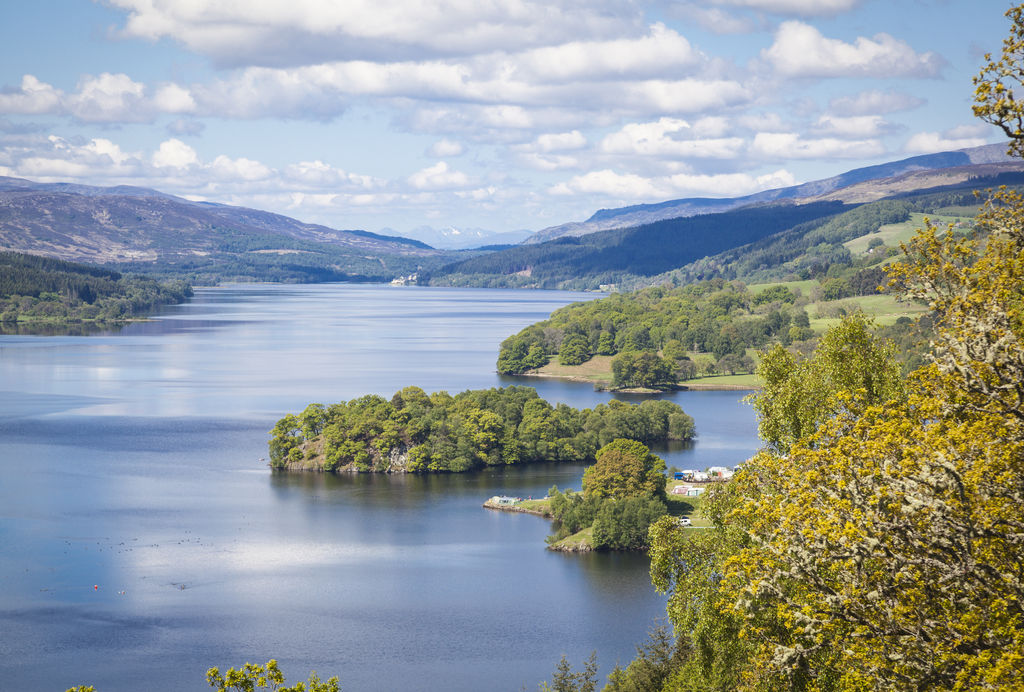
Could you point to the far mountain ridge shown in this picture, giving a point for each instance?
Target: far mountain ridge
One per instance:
(22, 194)
(825, 189)
(143, 230)
(758, 241)
(453, 238)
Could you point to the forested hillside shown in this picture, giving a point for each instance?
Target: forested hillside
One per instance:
(40, 289)
(703, 319)
(769, 242)
(610, 257)
(814, 248)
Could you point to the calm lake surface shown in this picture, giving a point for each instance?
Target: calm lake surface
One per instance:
(133, 462)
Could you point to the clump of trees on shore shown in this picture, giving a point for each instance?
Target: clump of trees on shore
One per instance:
(623, 494)
(416, 432)
(41, 289)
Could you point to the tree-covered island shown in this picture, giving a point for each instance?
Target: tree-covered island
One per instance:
(414, 432)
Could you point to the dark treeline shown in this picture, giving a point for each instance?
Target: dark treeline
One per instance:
(810, 249)
(30, 275)
(34, 288)
(609, 256)
(815, 248)
(419, 433)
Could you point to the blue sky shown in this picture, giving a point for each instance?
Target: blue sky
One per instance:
(503, 115)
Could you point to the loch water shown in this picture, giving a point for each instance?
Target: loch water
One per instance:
(143, 538)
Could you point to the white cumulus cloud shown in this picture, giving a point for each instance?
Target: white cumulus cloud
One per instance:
(854, 126)
(438, 177)
(670, 137)
(662, 52)
(172, 98)
(630, 187)
(33, 97)
(303, 31)
(59, 159)
(800, 50)
(109, 98)
(683, 96)
(226, 168)
(951, 140)
(173, 153)
(562, 141)
(318, 174)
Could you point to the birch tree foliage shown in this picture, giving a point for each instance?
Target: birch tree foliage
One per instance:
(888, 553)
(975, 287)
(880, 545)
(886, 540)
(799, 393)
(887, 547)
(995, 100)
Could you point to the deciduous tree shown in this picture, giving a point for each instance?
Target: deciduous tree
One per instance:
(625, 468)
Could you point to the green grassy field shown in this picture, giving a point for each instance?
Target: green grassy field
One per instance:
(884, 309)
(581, 541)
(543, 505)
(597, 369)
(895, 233)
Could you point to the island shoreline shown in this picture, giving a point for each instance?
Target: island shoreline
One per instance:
(676, 388)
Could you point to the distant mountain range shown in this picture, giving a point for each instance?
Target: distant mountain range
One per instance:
(97, 224)
(858, 185)
(764, 235)
(143, 229)
(452, 238)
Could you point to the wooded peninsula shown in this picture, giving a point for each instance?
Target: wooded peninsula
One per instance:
(44, 291)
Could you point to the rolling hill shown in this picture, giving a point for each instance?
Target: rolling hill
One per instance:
(145, 230)
(929, 170)
(758, 240)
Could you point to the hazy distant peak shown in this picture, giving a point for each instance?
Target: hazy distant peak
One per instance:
(452, 238)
